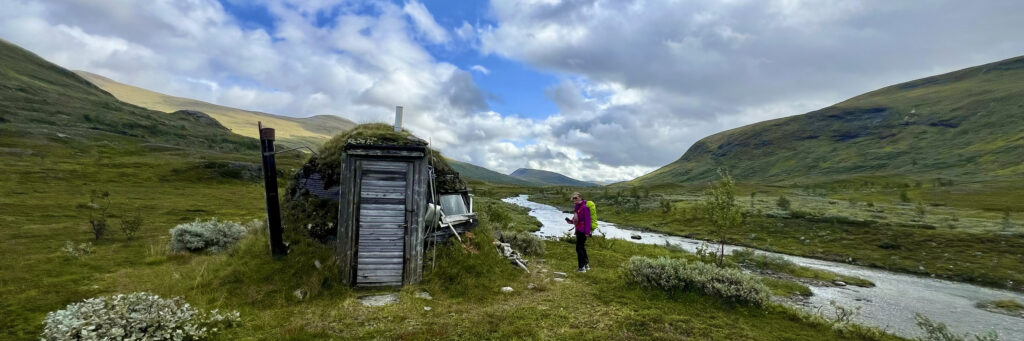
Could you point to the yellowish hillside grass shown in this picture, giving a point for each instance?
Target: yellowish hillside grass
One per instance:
(243, 122)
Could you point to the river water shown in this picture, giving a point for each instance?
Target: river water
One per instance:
(890, 305)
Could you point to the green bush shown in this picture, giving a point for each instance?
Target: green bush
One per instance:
(131, 224)
(136, 316)
(524, 242)
(783, 203)
(674, 274)
(210, 235)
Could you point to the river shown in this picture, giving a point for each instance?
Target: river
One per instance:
(890, 305)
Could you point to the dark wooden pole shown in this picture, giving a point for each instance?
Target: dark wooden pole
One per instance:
(277, 247)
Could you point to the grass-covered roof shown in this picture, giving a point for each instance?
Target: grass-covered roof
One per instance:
(318, 215)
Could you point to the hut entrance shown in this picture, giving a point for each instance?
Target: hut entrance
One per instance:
(383, 211)
(380, 214)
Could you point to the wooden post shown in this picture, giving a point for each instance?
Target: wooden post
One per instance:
(277, 247)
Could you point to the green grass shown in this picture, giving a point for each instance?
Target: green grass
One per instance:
(38, 278)
(779, 264)
(977, 255)
(1009, 305)
(784, 288)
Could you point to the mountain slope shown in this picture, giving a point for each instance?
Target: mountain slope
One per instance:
(311, 130)
(474, 172)
(548, 178)
(967, 124)
(42, 104)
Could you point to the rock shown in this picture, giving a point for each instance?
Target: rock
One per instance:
(839, 283)
(635, 236)
(379, 300)
(531, 286)
(507, 290)
(424, 295)
(426, 308)
(317, 264)
(560, 274)
(299, 294)
(559, 279)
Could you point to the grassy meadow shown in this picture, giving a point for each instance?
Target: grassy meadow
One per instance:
(45, 200)
(964, 238)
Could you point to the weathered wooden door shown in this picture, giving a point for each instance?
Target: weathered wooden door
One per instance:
(384, 200)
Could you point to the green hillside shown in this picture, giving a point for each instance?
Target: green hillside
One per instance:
(966, 125)
(311, 131)
(548, 178)
(44, 104)
(474, 172)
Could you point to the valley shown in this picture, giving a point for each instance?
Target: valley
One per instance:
(914, 184)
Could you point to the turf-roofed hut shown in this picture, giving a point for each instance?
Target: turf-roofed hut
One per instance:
(371, 191)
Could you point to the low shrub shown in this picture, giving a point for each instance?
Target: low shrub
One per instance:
(674, 274)
(131, 224)
(135, 316)
(783, 203)
(73, 251)
(524, 242)
(210, 235)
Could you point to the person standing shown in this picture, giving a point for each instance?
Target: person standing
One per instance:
(581, 224)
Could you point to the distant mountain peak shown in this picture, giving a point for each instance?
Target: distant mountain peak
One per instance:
(549, 178)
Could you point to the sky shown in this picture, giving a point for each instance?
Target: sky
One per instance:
(597, 90)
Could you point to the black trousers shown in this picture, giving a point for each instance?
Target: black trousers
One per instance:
(581, 249)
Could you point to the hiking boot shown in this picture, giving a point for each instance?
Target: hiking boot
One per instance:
(586, 267)
(581, 269)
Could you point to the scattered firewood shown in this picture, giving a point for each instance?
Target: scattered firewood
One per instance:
(505, 250)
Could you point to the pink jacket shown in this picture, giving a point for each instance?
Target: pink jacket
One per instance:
(582, 218)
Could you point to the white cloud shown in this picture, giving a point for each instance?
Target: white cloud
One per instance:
(649, 78)
(466, 31)
(640, 80)
(480, 69)
(425, 22)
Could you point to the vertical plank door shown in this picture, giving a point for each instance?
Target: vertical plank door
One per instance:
(383, 191)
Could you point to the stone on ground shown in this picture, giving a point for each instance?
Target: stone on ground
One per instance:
(379, 300)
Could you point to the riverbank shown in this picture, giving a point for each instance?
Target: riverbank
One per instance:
(980, 257)
(891, 304)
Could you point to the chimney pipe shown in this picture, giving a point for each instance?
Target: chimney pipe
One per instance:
(398, 118)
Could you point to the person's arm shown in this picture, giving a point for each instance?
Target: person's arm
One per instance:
(573, 221)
